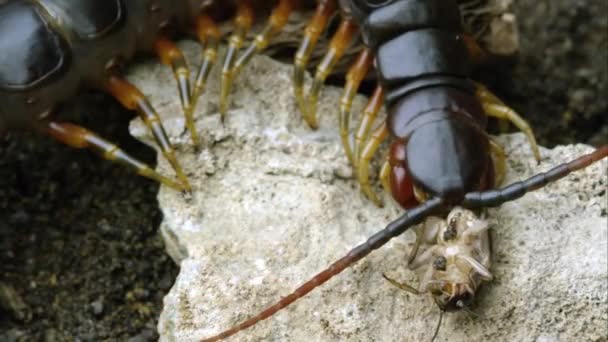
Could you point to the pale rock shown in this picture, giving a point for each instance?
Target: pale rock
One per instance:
(273, 204)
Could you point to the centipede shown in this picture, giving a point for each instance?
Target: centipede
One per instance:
(441, 157)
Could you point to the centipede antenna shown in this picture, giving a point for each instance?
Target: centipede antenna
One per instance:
(172, 56)
(209, 36)
(242, 23)
(355, 75)
(438, 326)
(493, 198)
(393, 229)
(131, 98)
(324, 11)
(339, 42)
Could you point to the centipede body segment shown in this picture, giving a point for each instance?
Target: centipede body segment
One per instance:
(441, 155)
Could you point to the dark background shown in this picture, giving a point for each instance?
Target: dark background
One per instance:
(80, 256)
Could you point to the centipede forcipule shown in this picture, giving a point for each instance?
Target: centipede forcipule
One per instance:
(441, 156)
(236, 80)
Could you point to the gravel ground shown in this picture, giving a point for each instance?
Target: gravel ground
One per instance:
(80, 257)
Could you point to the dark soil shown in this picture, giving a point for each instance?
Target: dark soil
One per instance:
(560, 81)
(79, 251)
(80, 256)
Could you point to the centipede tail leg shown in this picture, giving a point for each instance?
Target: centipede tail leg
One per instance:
(355, 75)
(325, 9)
(172, 56)
(242, 24)
(370, 113)
(339, 42)
(395, 228)
(131, 98)
(79, 137)
(496, 108)
(493, 198)
(379, 135)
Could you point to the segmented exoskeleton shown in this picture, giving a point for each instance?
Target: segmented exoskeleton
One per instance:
(441, 156)
(53, 48)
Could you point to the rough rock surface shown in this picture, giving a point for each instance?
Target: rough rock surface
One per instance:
(274, 203)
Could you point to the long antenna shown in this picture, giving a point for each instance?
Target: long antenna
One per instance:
(393, 229)
(438, 326)
(414, 216)
(493, 198)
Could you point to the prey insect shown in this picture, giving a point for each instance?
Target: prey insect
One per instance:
(441, 156)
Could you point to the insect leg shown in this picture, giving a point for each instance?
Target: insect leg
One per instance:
(209, 36)
(496, 108)
(339, 42)
(277, 20)
(370, 113)
(172, 56)
(79, 137)
(130, 97)
(419, 236)
(500, 161)
(385, 175)
(242, 22)
(403, 286)
(355, 75)
(393, 229)
(493, 198)
(379, 135)
(318, 23)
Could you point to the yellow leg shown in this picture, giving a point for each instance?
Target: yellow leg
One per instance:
(410, 258)
(337, 46)
(385, 173)
(500, 162)
(242, 23)
(370, 113)
(209, 36)
(79, 137)
(379, 135)
(277, 20)
(355, 75)
(496, 108)
(316, 26)
(402, 286)
(131, 98)
(172, 56)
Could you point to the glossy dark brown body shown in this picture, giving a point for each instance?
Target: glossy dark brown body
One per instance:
(433, 113)
(68, 45)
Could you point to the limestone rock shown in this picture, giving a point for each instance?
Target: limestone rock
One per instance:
(273, 204)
